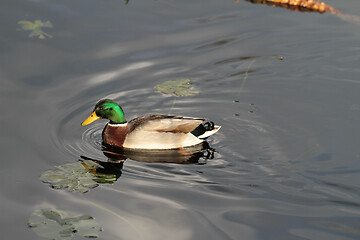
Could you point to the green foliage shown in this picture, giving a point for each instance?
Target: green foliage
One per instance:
(179, 88)
(54, 224)
(36, 28)
(78, 176)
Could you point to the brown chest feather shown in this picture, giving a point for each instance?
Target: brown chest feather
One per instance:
(115, 135)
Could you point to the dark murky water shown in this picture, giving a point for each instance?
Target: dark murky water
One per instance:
(287, 164)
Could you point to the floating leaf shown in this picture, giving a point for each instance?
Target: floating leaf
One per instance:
(36, 28)
(54, 224)
(179, 88)
(79, 176)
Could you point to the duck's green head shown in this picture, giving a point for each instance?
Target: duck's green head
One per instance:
(108, 109)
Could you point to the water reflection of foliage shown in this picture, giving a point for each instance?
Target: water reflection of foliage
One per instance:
(54, 224)
(36, 28)
(298, 5)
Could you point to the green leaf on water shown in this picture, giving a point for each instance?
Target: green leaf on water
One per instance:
(179, 88)
(36, 28)
(54, 224)
(79, 176)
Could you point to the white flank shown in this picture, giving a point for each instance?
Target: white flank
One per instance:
(159, 140)
(209, 133)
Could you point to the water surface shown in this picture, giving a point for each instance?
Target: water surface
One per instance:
(286, 164)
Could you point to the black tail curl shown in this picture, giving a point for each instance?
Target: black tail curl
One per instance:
(208, 125)
(202, 128)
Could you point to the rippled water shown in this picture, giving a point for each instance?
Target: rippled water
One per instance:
(286, 164)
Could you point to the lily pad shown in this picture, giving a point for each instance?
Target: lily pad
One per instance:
(179, 88)
(79, 176)
(36, 28)
(54, 224)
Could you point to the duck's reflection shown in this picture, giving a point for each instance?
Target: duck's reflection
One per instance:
(198, 154)
(111, 169)
(88, 173)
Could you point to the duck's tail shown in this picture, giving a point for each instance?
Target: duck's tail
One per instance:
(206, 129)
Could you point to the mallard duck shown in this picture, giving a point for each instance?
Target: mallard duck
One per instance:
(151, 131)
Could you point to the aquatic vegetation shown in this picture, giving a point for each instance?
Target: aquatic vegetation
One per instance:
(54, 224)
(36, 28)
(299, 5)
(79, 176)
(179, 88)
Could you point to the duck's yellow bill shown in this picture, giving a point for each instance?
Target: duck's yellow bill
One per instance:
(93, 117)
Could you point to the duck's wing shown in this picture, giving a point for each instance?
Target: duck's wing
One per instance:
(164, 123)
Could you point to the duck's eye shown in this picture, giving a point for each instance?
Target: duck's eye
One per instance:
(110, 109)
